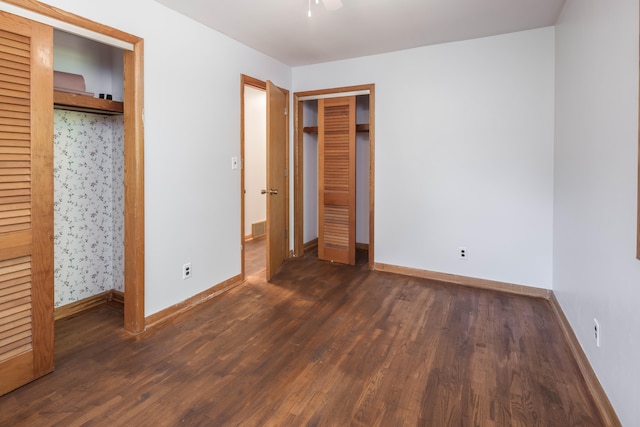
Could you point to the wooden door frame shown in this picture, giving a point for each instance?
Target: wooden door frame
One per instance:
(298, 154)
(134, 319)
(259, 84)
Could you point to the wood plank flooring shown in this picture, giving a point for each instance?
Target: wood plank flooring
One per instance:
(323, 345)
(255, 255)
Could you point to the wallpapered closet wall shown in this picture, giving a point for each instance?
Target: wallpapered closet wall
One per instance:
(88, 205)
(88, 178)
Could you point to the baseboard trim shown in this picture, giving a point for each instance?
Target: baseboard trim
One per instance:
(362, 246)
(310, 244)
(601, 401)
(466, 281)
(87, 304)
(192, 302)
(117, 297)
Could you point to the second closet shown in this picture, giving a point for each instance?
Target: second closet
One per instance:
(336, 147)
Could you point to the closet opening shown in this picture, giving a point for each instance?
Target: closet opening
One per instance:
(131, 51)
(28, 242)
(320, 163)
(88, 164)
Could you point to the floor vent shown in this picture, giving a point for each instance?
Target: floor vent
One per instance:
(258, 229)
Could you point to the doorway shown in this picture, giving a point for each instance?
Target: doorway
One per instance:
(88, 179)
(254, 172)
(265, 176)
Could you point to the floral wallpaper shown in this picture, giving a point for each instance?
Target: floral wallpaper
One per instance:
(88, 205)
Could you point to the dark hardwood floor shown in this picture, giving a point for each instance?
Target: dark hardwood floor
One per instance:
(323, 345)
(255, 256)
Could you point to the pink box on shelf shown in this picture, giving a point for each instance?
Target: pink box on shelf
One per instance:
(70, 83)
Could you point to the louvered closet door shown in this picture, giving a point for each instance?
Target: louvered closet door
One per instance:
(337, 179)
(26, 200)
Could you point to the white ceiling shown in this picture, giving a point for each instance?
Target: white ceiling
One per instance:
(282, 30)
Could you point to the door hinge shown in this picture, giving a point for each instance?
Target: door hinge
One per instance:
(286, 111)
(286, 233)
(286, 172)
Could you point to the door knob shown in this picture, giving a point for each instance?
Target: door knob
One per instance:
(270, 191)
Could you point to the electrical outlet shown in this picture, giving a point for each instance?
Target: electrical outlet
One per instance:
(462, 252)
(596, 331)
(186, 270)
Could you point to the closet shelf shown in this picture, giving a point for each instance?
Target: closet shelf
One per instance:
(86, 104)
(314, 129)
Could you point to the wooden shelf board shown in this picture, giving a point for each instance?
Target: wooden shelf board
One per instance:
(314, 129)
(86, 104)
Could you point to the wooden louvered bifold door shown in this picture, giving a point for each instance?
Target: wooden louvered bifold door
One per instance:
(337, 179)
(26, 201)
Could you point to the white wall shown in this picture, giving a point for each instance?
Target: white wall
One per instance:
(464, 153)
(255, 156)
(192, 129)
(596, 274)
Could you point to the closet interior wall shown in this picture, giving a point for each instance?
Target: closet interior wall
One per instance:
(88, 177)
(310, 172)
(362, 172)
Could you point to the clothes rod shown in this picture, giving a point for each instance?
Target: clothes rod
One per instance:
(334, 95)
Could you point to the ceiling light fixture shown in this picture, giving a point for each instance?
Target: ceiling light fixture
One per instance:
(330, 5)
